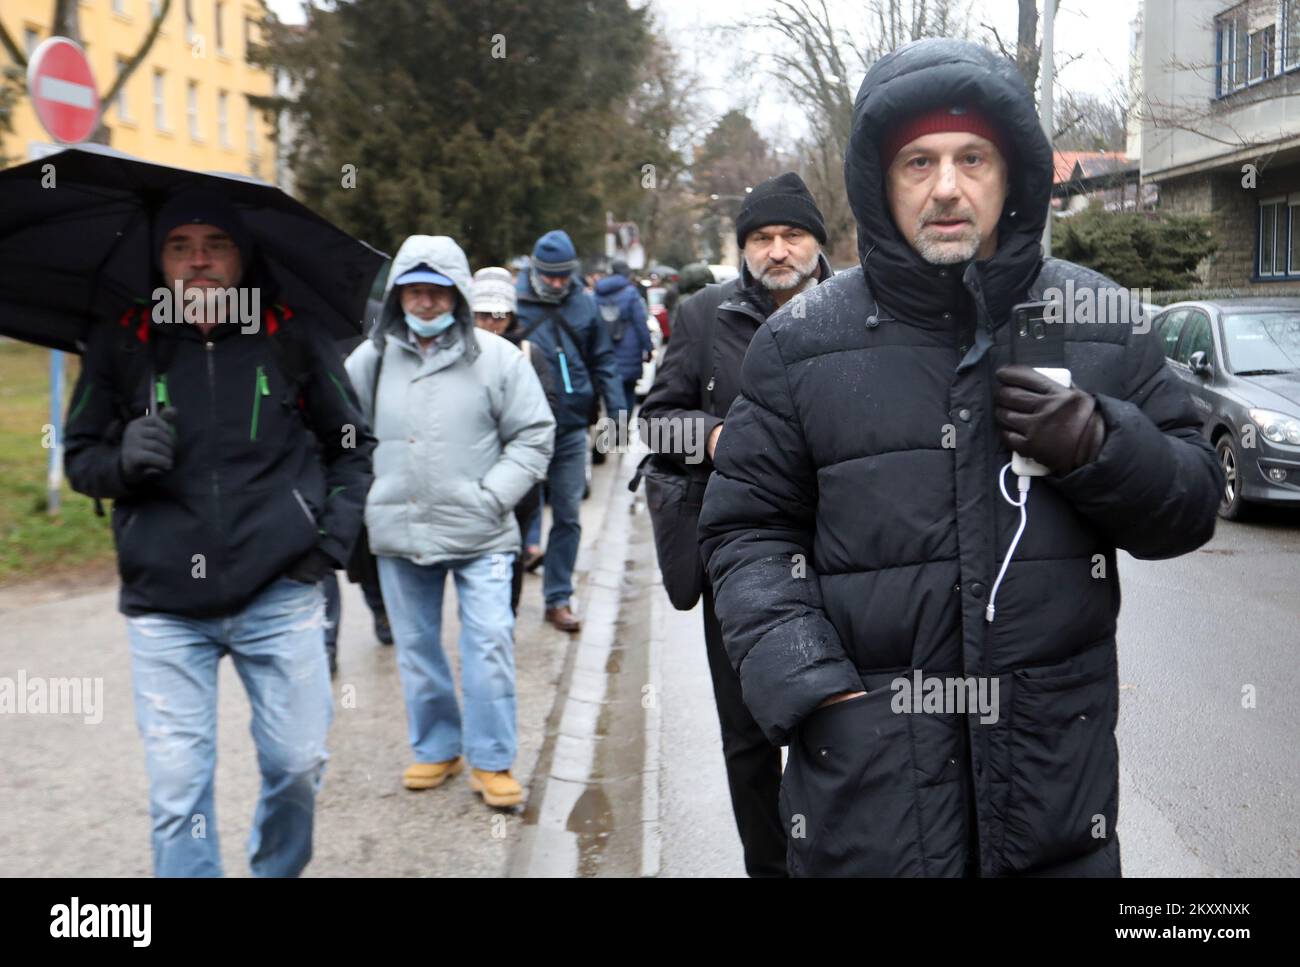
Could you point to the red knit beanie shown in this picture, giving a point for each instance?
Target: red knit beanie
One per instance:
(941, 119)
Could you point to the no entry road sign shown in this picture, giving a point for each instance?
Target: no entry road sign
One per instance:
(62, 89)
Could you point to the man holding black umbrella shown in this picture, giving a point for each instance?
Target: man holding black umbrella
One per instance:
(238, 462)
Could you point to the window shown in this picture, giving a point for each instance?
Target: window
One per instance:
(159, 101)
(1273, 233)
(192, 109)
(189, 21)
(119, 6)
(1239, 53)
(1290, 34)
(219, 16)
(251, 131)
(120, 104)
(1195, 339)
(1265, 340)
(223, 117)
(1260, 57)
(1292, 256)
(155, 8)
(249, 40)
(1225, 45)
(1170, 329)
(31, 40)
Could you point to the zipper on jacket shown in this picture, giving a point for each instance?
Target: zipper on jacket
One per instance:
(215, 566)
(260, 389)
(297, 495)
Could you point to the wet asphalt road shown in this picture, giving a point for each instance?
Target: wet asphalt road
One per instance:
(1212, 787)
(1207, 787)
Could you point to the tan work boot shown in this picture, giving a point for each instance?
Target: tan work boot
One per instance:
(498, 788)
(429, 775)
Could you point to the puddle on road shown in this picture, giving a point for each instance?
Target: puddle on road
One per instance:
(592, 821)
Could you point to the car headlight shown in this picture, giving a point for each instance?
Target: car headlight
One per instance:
(1277, 427)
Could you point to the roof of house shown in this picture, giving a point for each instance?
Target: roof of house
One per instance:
(1089, 164)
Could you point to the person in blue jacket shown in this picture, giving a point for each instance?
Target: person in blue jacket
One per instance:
(561, 319)
(624, 314)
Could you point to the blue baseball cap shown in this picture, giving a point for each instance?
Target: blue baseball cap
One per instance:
(422, 273)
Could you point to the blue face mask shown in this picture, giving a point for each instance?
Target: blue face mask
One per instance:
(428, 328)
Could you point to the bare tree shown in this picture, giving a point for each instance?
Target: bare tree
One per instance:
(819, 66)
(1091, 122)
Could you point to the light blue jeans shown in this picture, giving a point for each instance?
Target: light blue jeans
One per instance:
(413, 596)
(277, 645)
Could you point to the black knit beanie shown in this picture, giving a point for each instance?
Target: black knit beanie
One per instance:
(783, 200)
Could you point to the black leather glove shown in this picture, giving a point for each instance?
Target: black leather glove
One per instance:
(1056, 425)
(148, 446)
(311, 567)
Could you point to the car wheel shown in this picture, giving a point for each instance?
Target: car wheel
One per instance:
(1231, 504)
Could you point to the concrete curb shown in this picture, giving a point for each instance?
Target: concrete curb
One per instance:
(549, 848)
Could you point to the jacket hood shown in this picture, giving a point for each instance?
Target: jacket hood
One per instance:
(442, 254)
(611, 284)
(919, 77)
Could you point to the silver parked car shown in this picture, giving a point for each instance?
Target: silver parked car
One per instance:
(1240, 359)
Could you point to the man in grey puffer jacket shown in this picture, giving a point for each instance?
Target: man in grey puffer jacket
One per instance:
(464, 432)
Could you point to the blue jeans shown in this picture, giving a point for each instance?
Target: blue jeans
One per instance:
(565, 481)
(413, 594)
(277, 645)
(533, 537)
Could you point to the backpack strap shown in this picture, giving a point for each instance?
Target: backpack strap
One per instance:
(374, 384)
(559, 319)
(292, 355)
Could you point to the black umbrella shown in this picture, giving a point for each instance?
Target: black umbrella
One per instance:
(82, 250)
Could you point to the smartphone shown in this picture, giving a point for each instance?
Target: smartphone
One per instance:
(1034, 340)
(1038, 343)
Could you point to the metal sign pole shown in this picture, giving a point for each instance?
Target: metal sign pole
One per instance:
(54, 476)
(1045, 70)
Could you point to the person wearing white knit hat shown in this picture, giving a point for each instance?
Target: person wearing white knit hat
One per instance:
(492, 300)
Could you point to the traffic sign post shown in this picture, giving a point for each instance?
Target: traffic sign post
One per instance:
(63, 92)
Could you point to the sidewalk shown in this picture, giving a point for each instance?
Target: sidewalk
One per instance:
(75, 801)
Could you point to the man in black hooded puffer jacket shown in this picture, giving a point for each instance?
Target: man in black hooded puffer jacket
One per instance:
(853, 527)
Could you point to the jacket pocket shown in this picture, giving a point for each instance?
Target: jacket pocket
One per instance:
(1064, 764)
(848, 795)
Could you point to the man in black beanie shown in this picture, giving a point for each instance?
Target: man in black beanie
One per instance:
(780, 233)
(238, 462)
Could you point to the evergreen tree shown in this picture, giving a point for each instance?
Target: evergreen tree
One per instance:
(492, 122)
(1153, 250)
